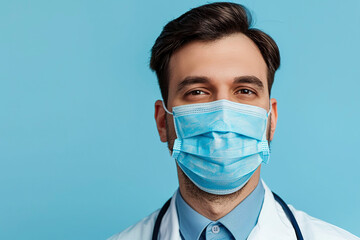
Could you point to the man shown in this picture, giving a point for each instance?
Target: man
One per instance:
(215, 74)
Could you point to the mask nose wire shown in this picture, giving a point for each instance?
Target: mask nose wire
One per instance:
(166, 110)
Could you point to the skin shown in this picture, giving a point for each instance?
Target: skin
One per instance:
(229, 68)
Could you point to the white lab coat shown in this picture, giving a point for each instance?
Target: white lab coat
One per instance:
(272, 224)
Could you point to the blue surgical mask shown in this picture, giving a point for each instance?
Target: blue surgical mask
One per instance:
(220, 144)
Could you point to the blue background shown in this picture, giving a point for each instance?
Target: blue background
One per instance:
(80, 157)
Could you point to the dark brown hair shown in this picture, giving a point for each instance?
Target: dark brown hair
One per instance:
(208, 23)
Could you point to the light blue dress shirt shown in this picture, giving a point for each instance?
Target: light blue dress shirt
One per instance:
(237, 224)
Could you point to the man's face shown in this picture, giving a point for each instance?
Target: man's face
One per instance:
(230, 68)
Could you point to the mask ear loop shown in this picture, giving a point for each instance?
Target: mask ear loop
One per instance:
(177, 144)
(265, 144)
(166, 110)
(270, 110)
(267, 120)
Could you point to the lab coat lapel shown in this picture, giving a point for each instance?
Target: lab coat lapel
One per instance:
(169, 228)
(272, 222)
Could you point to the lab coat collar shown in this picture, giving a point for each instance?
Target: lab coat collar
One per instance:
(169, 228)
(272, 222)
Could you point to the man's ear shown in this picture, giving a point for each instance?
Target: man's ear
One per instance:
(274, 117)
(160, 118)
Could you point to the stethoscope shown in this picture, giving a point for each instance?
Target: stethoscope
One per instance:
(284, 206)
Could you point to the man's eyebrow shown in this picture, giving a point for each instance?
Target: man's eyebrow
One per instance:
(191, 80)
(250, 79)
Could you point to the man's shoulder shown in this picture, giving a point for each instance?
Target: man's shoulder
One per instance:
(313, 228)
(141, 230)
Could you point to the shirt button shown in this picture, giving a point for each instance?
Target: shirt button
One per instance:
(215, 229)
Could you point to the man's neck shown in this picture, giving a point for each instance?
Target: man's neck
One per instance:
(213, 206)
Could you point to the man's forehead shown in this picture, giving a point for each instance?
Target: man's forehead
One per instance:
(231, 56)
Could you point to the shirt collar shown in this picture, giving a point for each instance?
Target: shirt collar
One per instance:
(243, 218)
(240, 221)
(191, 223)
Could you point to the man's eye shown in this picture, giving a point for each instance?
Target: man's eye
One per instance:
(245, 91)
(196, 92)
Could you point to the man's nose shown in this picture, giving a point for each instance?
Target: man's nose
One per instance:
(222, 93)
